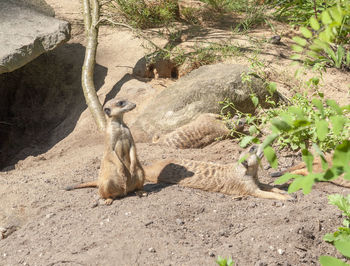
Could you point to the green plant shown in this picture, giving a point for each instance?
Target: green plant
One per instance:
(320, 45)
(143, 14)
(224, 262)
(299, 11)
(324, 127)
(341, 238)
(190, 14)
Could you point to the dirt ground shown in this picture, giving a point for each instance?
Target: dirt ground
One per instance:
(172, 225)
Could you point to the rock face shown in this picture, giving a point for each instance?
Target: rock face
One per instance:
(26, 33)
(199, 92)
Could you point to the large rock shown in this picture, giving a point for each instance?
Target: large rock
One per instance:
(26, 33)
(199, 92)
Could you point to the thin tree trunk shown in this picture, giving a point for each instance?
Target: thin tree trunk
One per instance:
(91, 16)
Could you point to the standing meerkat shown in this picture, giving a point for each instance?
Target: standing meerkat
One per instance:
(234, 178)
(120, 171)
(202, 131)
(301, 169)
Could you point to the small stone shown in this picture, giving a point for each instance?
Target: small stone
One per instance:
(280, 251)
(152, 250)
(271, 247)
(179, 222)
(49, 215)
(260, 263)
(211, 254)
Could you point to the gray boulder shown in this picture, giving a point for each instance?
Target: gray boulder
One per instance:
(198, 92)
(26, 33)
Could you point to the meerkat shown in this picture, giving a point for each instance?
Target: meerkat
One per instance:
(120, 171)
(301, 169)
(234, 178)
(204, 130)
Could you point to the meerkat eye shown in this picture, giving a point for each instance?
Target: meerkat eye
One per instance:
(253, 149)
(121, 103)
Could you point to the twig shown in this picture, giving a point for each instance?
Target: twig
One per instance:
(138, 33)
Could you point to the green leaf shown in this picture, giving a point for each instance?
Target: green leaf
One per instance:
(270, 155)
(254, 99)
(245, 141)
(326, 18)
(300, 41)
(314, 23)
(272, 87)
(269, 140)
(321, 129)
(322, 158)
(343, 246)
(336, 14)
(330, 261)
(306, 32)
(329, 237)
(281, 125)
(308, 158)
(297, 111)
(341, 156)
(341, 202)
(295, 57)
(319, 105)
(334, 105)
(338, 123)
(297, 48)
(304, 182)
(285, 178)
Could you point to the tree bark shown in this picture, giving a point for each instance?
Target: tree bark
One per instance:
(91, 16)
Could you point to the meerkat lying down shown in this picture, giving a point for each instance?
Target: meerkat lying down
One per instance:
(202, 131)
(301, 169)
(234, 178)
(121, 171)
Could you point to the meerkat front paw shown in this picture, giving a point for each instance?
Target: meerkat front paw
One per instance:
(108, 201)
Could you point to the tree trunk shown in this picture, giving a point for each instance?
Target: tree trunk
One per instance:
(91, 16)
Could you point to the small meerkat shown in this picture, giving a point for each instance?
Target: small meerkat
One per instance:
(301, 169)
(233, 178)
(202, 131)
(120, 171)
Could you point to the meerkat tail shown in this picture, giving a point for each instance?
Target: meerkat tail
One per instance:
(340, 181)
(152, 172)
(83, 185)
(277, 174)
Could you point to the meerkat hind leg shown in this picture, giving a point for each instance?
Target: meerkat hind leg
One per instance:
(267, 187)
(270, 195)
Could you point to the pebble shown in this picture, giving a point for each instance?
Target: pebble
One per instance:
(211, 254)
(152, 250)
(280, 251)
(49, 215)
(179, 222)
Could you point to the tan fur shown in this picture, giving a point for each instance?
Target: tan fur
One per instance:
(205, 129)
(121, 171)
(234, 178)
(301, 169)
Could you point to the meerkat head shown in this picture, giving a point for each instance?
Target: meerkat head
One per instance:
(252, 157)
(117, 107)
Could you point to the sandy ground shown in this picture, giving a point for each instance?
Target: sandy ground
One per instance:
(172, 225)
